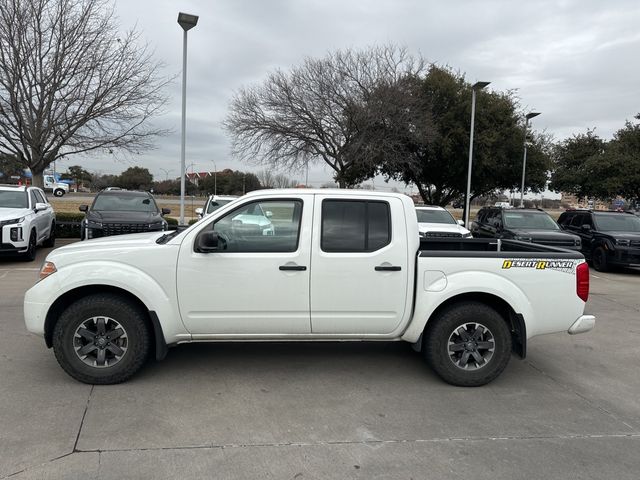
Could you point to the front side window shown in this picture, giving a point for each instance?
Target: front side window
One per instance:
(355, 226)
(34, 199)
(40, 196)
(264, 226)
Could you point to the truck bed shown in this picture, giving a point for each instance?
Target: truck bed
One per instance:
(491, 248)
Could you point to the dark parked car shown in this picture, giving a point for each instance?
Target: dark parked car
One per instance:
(524, 224)
(608, 238)
(117, 212)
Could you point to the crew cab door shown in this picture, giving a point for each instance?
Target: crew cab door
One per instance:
(359, 265)
(257, 282)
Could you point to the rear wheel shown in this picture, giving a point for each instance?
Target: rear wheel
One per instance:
(600, 261)
(468, 344)
(51, 241)
(101, 339)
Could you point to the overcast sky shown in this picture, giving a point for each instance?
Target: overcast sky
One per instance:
(574, 61)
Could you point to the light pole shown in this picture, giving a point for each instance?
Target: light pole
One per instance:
(467, 198)
(528, 117)
(166, 173)
(215, 179)
(187, 22)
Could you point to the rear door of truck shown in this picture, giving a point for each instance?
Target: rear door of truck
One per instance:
(359, 264)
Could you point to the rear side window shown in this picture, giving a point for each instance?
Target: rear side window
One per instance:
(355, 226)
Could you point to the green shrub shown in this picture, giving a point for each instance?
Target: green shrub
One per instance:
(68, 224)
(171, 220)
(193, 220)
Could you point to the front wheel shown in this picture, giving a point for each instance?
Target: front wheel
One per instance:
(468, 344)
(101, 339)
(599, 260)
(58, 192)
(51, 241)
(30, 254)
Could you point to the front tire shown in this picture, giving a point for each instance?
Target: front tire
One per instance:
(58, 192)
(468, 344)
(30, 254)
(51, 241)
(102, 339)
(600, 261)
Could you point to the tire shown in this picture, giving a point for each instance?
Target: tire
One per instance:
(58, 192)
(460, 367)
(599, 260)
(78, 339)
(30, 254)
(51, 241)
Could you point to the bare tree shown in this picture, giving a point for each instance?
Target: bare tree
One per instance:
(282, 181)
(266, 178)
(70, 83)
(306, 114)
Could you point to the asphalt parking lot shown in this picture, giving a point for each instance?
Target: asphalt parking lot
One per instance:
(571, 410)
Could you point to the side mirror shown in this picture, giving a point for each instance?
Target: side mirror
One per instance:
(268, 214)
(207, 242)
(83, 208)
(199, 211)
(586, 228)
(40, 207)
(166, 211)
(461, 222)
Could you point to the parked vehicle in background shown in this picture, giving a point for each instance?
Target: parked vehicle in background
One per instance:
(118, 212)
(26, 221)
(524, 224)
(609, 239)
(340, 265)
(502, 205)
(213, 203)
(437, 222)
(57, 188)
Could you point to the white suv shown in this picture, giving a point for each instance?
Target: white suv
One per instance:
(437, 222)
(213, 203)
(26, 221)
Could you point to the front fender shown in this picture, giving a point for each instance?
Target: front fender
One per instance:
(458, 284)
(156, 297)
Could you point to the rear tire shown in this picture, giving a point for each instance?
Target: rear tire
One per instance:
(468, 344)
(102, 339)
(51, 241)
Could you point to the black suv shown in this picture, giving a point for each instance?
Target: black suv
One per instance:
(524, 224)
(117, 212)
(608, 238)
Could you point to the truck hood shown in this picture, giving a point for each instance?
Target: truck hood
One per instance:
(132, 240)
(633, 236)
(13, 213)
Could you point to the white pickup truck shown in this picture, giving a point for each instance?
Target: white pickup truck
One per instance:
(334, 265)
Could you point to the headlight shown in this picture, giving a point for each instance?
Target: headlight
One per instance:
(92, 224)
(467, 235)
(623, 242)
(13, 221)
(47, 269)
(523, 239)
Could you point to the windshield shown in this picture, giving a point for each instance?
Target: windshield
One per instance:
(216, 204)
(617, 222)
(529, 220)
(13, 199)
(435, 216)
(124, 203)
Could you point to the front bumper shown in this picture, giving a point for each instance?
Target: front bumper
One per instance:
(13, 238)
(582, 325)
(624, 256)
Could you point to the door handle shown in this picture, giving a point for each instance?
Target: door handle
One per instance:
(388, 268)
(297, 268)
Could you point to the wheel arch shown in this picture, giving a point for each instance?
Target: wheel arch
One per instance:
(515, 321)
(159, 347)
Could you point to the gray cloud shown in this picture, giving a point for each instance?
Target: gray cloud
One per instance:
(575, 61)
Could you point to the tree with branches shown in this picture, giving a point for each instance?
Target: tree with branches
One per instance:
(70, 83)
(305, 114)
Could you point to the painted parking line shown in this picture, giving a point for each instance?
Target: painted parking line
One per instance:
(19, 269)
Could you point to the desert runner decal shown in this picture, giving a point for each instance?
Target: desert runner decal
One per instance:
(567, 266)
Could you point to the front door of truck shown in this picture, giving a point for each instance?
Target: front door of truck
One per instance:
(257, 282)
(360, 265)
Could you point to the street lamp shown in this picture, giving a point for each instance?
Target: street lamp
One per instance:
(166, 173)
(215, 178)
(467, 198)
(187, 22)
(528, 117)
